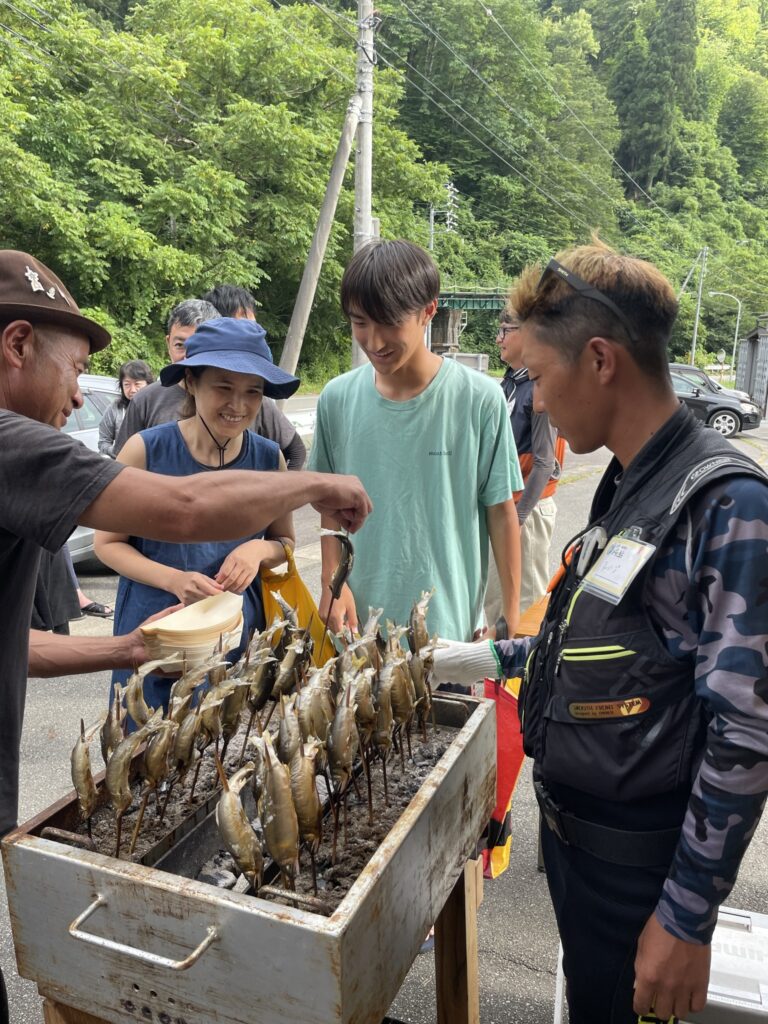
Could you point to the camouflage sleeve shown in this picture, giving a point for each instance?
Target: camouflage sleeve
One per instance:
(512, 655)
(712, 584)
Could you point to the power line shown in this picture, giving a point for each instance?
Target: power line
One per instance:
(570, 110)
(21, 49)
(114, 63)
(571, 213)
(512, 110)
(302, 43)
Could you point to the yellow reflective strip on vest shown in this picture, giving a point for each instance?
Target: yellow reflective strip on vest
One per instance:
(573, 602)
(604, 656)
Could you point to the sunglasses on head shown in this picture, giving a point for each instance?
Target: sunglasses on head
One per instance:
(579, 285)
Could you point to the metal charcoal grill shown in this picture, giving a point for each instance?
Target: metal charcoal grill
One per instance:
(130, 941)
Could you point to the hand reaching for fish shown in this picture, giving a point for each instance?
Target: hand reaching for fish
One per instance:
(345, 499)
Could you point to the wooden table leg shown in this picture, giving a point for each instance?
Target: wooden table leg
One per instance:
(456, 967)
(57, 1013)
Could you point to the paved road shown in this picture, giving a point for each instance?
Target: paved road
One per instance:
(517, 939)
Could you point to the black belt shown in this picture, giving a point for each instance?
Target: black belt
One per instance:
(617, 846)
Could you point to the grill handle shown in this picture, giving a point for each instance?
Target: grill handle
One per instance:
(137, 954)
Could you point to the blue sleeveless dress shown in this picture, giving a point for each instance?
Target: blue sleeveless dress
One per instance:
(167, 453)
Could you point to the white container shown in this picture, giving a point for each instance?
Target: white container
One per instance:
(738, 981)
(126, 942)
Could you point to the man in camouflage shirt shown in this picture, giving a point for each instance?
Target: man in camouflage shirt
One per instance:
(645, 696)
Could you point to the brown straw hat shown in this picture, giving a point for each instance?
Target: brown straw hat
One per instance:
(30, 291)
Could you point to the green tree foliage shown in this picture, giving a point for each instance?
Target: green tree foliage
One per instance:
(152, 148)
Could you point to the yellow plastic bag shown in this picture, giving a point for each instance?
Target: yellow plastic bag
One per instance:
(293, 591)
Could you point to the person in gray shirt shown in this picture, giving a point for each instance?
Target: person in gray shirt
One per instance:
(232, 300)
(157, 404)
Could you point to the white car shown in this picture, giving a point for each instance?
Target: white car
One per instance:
(98, 394)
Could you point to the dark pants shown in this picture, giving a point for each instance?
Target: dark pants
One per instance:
(601, 909)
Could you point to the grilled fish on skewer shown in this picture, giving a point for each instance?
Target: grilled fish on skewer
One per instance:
(235, 829)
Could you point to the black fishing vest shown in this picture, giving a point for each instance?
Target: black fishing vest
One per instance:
(605, 708)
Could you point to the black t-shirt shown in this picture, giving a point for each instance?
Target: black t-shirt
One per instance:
(47, 480)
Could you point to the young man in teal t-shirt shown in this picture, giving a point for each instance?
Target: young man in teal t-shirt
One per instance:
(432, 444)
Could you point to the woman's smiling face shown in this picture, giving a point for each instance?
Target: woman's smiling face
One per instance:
(228, 402)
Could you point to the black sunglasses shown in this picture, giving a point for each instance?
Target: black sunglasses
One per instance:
(588, 291)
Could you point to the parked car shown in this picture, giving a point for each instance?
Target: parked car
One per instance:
(707, 383)
(98, 394)
(724, 413)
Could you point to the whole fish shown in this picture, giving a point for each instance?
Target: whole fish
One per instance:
(232, 708)
(289, 734)
(314, 707)
(157, 756)
(261, 683)
(421, 687)
(288, 673)
(235, 829)
(257, 750)
(210, 714)
(278, 814)
(119, 767)
(82, 776)
(382, 732)
(418, 636)
(137, 707)
(393, 647)
(343, 742)
(112, 730)
(365, 708)
(309, 810)
(401, 689)
(184, 743)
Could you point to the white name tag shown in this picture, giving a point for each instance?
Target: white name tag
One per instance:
(617, 567)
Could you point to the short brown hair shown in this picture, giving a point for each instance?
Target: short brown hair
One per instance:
(566, 319)
(388, 281)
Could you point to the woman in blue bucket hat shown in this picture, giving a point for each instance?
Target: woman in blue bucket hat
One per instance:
(227, 370)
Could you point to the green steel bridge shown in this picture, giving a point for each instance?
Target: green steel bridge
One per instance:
(455, 297)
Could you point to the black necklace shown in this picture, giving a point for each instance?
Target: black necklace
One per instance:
(221, 447)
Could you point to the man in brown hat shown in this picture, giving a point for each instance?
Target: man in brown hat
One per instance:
(49, 483)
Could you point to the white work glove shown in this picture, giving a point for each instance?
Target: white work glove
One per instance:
(455, 662)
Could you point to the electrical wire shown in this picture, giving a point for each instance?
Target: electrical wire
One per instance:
(570, 110)
(513, 110)
(571, 213)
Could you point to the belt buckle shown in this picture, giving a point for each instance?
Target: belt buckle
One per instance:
(551, 812)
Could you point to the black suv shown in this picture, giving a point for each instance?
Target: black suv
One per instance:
(723, 412)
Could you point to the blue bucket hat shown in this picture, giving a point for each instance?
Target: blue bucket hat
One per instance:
(236, 345)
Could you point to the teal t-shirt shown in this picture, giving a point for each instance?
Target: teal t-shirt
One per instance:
(431, 466)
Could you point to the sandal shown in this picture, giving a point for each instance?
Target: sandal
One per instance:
(103, 611)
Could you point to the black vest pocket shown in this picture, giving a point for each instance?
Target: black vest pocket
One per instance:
(619, 734)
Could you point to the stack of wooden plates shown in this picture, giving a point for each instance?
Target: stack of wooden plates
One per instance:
(195, 631)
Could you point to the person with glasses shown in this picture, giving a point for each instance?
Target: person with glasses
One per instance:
(644, 701)
(541, 453)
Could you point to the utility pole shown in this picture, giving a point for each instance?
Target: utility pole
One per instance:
(728, 295)
(301, 310)
(702, 272)
(366, 58)
(450, 225)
